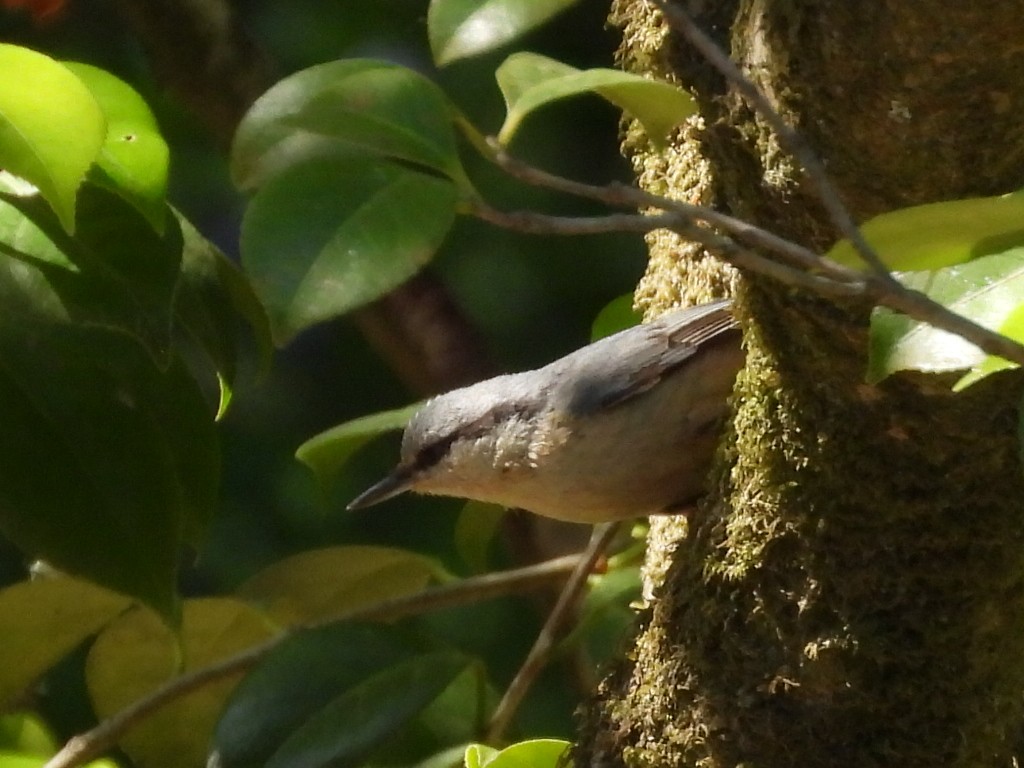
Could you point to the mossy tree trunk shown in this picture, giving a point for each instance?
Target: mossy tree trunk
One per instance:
(852, 593)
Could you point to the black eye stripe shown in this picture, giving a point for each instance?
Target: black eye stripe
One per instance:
(431, 454)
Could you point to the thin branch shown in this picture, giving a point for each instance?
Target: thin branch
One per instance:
(791, 139)
(93, 743)
(727, 249)
(540, 653)
(622, 196)
(821, 276)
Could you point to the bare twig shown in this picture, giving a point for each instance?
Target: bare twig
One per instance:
(791, 139)
(549, 634)
(543, 224)
(622, 196)
(810, 271)
(91, 744)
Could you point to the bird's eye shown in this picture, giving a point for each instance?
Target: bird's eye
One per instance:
(431, 454)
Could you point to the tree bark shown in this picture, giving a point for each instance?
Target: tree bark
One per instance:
(852, 592)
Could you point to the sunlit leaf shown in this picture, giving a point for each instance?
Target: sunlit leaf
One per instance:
(51, 128)
(536, 753)
(617, 315)
(987, 290)
(1012, 327)
(461, 28)
(43, 620)
(352, 106)
(325, 237)
(325, 583)
(134, 159)
(528, 81)
(935, 235)
(137, 653)
(328, 453)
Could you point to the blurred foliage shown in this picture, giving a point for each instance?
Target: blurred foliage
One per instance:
(270, 505)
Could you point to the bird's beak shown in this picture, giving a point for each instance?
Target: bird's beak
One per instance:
(398, 482)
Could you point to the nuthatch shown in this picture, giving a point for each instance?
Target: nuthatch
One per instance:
(624, 427)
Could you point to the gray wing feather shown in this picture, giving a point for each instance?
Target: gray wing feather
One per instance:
(622, 366)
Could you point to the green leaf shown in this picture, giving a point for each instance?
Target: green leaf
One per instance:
(475, 529)
(536, 753)
(51, 128)
(106, 461)
(987, 290)
(355, 107)
(362, 717)
(939, 235)
(326, 583)
(214, 299)
(137, 653)
(461, 28)
(528, 81)
(617, 315)
(26, 733)
(280, 695)
(134, 160)
(479, 755)
(1012, 327)
(41, 621)
(328, 453)
(326, 237)
(447, 758)
(108, 457)
(116, 272)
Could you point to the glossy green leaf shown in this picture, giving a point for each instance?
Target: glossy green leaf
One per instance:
(41, 621)
(987, 290)
(137, 653)
(51, 128)
(115, 272)
(134, 159)
(461, 28)
(344, 731)
(1012, 327)
(280, 695)
(325, 237)
(536, 753)
(26, 733)
(105, 460)
(330, 582)
(617, 315)
(528, 81)
(329, 452)
(936, 235)
(108, 457)
(217, 308)
(354, 107)
(447, 758)
(479, 755)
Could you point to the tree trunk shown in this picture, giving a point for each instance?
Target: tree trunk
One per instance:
(852, 592)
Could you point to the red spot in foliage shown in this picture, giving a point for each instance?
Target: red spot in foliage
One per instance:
(42, 11)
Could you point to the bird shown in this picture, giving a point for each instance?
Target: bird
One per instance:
(624, 427)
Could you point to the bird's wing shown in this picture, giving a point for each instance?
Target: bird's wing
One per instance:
(614, 369)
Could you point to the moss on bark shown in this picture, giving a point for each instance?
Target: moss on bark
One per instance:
(853, 592)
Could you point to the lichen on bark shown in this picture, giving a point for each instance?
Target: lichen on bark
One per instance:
(852, 591)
